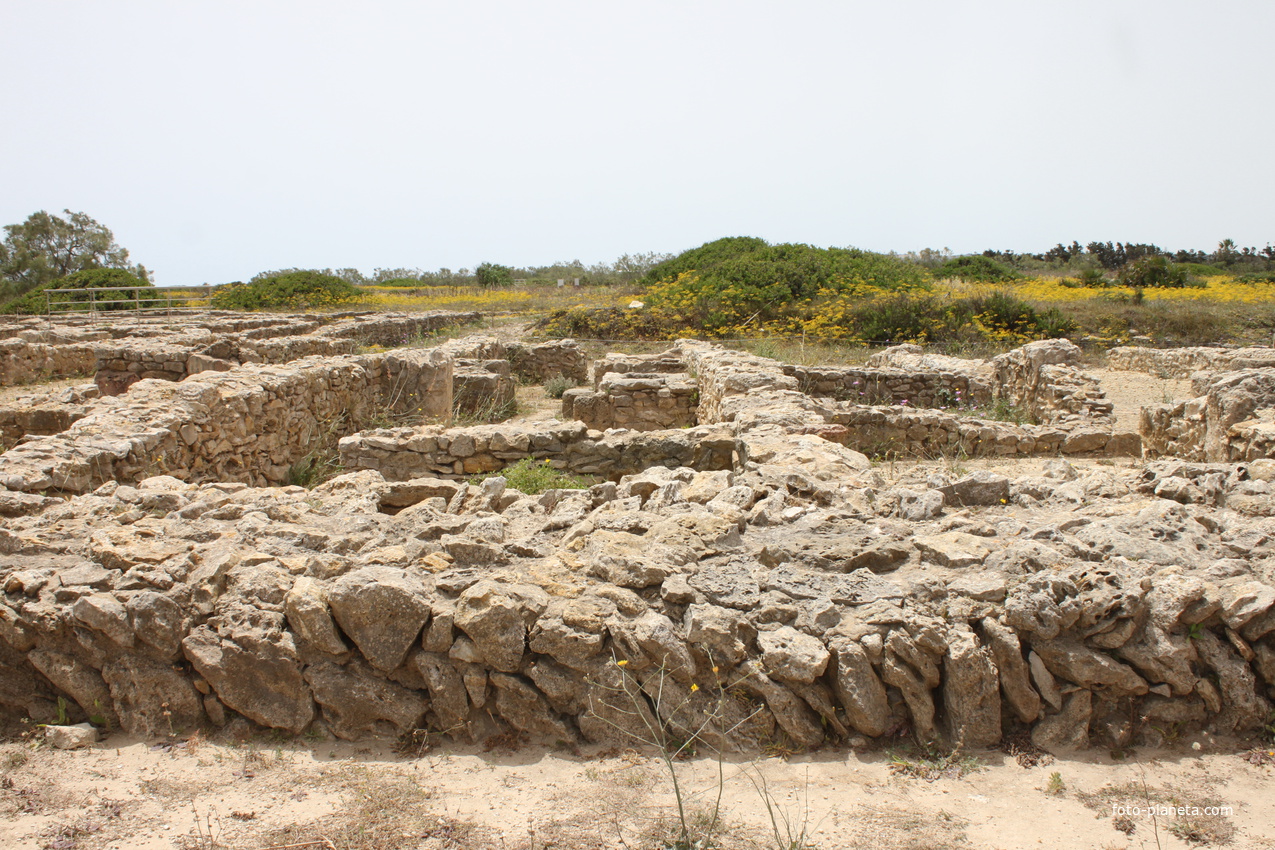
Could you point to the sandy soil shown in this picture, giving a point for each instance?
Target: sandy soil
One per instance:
(125, 793)
(10, 395)
(1129, 392)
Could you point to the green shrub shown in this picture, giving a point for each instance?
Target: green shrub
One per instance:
(976, 268)
(1201, 269)
(289, 291)
(534, 477)
(557, 385)
(1093, 278)
(734, 286)
(109, 282)
(1256, 277)
(1155, 272)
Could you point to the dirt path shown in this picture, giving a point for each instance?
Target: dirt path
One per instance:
(197, 794)
(1129, 392)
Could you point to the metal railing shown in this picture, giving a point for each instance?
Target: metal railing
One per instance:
(155, 301)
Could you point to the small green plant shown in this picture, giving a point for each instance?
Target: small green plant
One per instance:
(534, 477)
(558, 384)
(930, 763)
(313, 469)
(1055, 785)
(999, 410)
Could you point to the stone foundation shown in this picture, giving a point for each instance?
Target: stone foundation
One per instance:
(635, 400)
(755, 553)
(250, 424)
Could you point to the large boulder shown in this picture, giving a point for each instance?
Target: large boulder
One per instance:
(383, 610)
(253, 670)
(496, 618)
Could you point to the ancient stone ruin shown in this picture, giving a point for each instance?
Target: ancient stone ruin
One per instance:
(800, 540)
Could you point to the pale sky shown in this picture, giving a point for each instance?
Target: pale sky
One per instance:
(221, 139)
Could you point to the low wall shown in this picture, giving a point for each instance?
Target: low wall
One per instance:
(483, 388)
(192, 350)
(162, 627)
(1042, 379)
(641, 402)
(891, 386)
(249, 424)
(934, 434)
(1182, 362)
(1224, 423)
(23, 362)
(400, 454)
(665, 362)
(533, 364)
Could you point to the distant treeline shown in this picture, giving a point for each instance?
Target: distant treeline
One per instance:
(1112, 256)
(627, 269)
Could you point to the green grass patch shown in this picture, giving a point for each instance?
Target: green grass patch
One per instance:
(534, 477)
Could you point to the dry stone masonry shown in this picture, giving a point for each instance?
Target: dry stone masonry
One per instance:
(150, 579)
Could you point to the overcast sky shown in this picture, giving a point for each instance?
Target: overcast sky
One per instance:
(221, 139)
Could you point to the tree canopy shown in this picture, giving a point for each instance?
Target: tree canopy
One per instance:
(47, 247)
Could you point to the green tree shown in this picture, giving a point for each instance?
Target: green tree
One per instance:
(47, 247)
(491, 274)
(1226, 254)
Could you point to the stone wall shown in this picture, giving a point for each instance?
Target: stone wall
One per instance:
(531, 363)
(1182, 362)
(218, 346)
(866, 385)
(168, 606)
(483, 388)
(751, 552)
(249, 424)
(665, 362)
(23, 362)
(635, 400)
(405, 453)
(933, 434)
(1042, 378)
(1228, 421)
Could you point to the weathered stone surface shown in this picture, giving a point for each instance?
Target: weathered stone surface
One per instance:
(1069, 729)
(310, 618)
(383, 610)
(1012, 669)
(790, 655)
(357, 702)
(954, 549)
(526, 709)
(1244, 708)
(971, 692)
(719, 632)
(496, 618)
(978, 488)
(78, 680)
(860, 690)
(448, 698)
(254, 671)
(1088, 668)
(70, 737)
(152, 699)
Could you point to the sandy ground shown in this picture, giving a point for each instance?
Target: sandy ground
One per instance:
(10, 395)
(262, 793)
(1129, 392)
